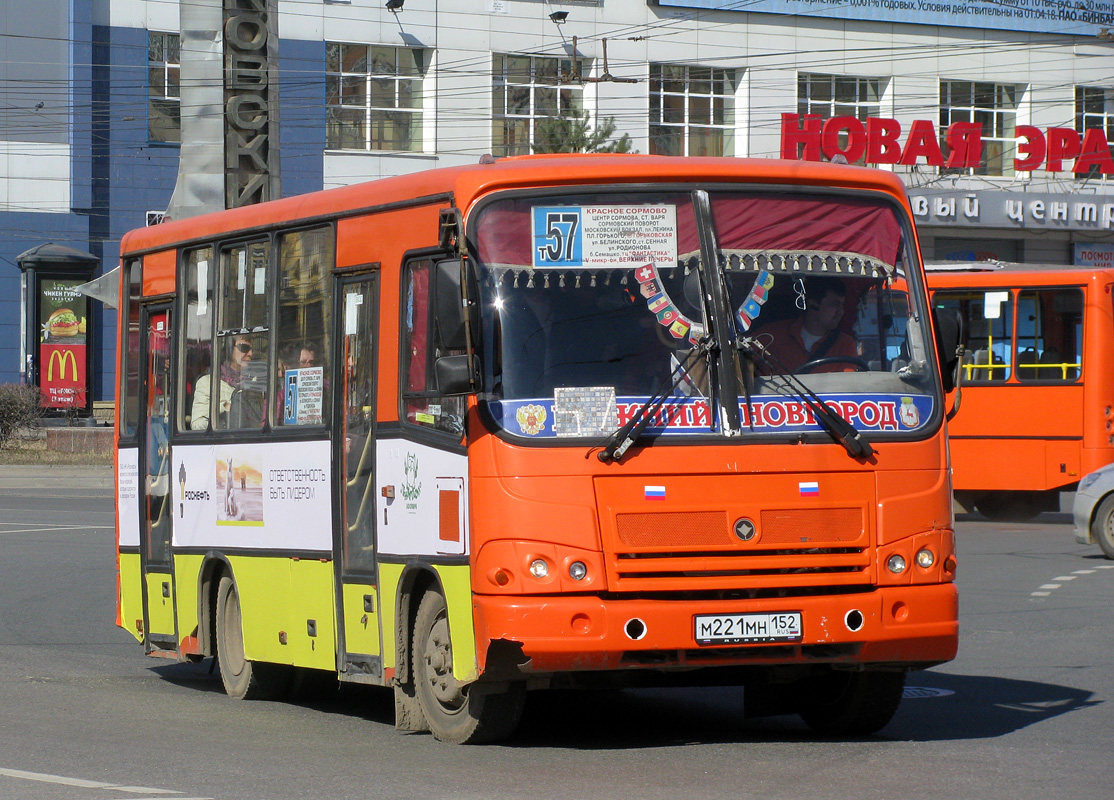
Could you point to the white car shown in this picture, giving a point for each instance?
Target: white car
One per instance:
(1093, 510)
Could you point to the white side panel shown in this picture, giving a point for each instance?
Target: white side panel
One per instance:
(127, 496)
(419, 476)
(278, 497)
(34, 176)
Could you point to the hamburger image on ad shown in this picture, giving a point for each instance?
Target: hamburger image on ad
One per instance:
(64, 322)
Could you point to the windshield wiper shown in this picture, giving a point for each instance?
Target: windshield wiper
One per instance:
(619, 442)
(837, 427)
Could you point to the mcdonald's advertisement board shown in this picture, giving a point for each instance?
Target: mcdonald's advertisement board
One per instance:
(63, 357)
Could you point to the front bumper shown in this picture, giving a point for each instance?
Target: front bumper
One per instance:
(913, 625)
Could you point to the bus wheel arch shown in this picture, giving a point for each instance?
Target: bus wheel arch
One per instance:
(415, 582)
(1102, 525)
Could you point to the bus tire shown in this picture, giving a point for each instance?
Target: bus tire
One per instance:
(1102, 526)
(852, 703)
(456, 713)
(243, 679)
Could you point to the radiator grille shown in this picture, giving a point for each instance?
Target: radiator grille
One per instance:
(702, 528)
(811, 526)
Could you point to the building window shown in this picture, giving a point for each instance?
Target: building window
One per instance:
(164, 100)
(994, 106)
(830, 96)
(526, 89)
(692, 111)
(1094, 108)
(373, 97)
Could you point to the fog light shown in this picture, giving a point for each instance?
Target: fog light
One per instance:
(539, 568)
(896, 563)
(925, 558)
(577, 570)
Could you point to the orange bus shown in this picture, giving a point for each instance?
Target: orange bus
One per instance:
(1037, 398)
(523, 424)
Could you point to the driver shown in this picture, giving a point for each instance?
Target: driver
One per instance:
(815, 333)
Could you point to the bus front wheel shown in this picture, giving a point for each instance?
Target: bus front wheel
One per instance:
(1102, 526)
(852, 703)
(457, 713)
(242, 679)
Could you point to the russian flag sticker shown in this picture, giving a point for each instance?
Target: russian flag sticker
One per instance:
(807, 488)
(655, 492)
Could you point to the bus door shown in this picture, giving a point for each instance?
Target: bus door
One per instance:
(359, 643)
(156, 498)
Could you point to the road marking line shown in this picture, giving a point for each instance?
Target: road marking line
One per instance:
(81, 783)
(52, 529)
(44, 778)
(1041, 594)
(1050, 586)
(1065, 578)
(1105, 566)
(1084, 572)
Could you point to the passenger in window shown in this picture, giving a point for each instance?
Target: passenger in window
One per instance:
(815, 333)
(241, 400)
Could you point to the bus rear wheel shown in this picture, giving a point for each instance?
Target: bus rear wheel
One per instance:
(457, 713)
(852, 703)
(243, 679)
(1102, 526)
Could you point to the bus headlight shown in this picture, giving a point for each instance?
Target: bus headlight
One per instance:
(896, 563)
(925, 558)
(539, 568)
(578, 571)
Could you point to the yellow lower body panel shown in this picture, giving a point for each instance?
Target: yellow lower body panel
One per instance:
(288, 610)
(361, 625)
(130, 598)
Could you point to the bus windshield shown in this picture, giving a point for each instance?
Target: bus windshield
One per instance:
(593, 303)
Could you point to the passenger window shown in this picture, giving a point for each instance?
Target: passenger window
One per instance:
(305, 261)
(239, 399)
(197, 339)
(129, 368)
(422, 404)
(1050, 335)
(988, 328)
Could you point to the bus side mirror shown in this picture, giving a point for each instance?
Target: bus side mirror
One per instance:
(453, 374)
(949, 339)
(449, 304)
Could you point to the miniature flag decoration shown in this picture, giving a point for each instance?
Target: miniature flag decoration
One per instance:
(655, 492)
(808, 488)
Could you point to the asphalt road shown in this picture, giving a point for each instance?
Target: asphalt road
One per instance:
(1023, 712)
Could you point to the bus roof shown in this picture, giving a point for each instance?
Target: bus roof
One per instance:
(957, 274)
(464, 184)
(1001, 267)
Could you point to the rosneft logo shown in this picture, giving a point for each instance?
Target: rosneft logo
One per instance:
(745, 529)
(61, 357)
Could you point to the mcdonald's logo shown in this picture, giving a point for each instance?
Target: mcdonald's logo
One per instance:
(62, 357)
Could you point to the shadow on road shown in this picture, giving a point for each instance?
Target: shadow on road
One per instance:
(938, 707)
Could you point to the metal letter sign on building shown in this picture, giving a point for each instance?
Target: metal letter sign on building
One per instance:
(250, 103)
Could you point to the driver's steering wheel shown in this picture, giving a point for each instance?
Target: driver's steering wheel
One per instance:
(857, 363)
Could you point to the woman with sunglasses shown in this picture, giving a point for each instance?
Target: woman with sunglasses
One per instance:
(231, 377)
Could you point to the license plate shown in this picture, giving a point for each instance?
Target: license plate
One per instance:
(783, 626)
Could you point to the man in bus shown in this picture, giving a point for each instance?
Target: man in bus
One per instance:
(815, 333)
(232, 371)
